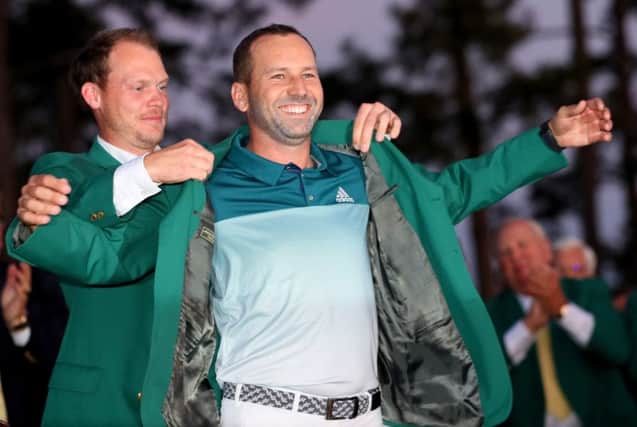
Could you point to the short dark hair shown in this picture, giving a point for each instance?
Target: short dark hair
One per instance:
(242, 57)
(91, 64)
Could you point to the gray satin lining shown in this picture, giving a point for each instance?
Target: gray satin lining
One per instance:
(190, 400)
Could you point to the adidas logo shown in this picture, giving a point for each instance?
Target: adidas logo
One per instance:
(342, 196)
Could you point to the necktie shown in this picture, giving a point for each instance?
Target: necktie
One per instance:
(556, 403)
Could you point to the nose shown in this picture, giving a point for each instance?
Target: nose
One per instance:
(297, 86)
(158, 97)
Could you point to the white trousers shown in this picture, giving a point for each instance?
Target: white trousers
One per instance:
(246, 414)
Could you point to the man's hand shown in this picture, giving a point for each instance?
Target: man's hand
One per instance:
(370, 118)
(41, 197)
(582, 124)
(15, 294)
(536, 317)
(543, 284)
(179, 162)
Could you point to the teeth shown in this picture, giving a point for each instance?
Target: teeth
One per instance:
(295, 109)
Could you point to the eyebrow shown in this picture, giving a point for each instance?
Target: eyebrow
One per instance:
(274, 69)
(147, 81)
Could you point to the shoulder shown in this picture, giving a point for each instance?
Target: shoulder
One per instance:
(586, 291)
(59, 161)
(73, 166)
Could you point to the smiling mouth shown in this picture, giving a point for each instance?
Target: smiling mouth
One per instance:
(154, 119)
(295, 108)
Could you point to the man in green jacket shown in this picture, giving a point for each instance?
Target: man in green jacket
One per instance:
(563, 340)
(416, 324)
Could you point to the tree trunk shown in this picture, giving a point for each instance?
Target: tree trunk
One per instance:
(586, 159)
(624, 117)
(472, 137)
(7, 144)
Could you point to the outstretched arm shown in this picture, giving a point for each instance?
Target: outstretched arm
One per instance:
(473, 184)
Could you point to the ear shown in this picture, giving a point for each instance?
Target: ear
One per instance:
(92, 95)
(239, 94)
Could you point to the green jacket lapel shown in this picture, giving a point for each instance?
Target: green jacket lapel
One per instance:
(98, 154)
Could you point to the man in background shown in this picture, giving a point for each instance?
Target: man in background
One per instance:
(562, 337)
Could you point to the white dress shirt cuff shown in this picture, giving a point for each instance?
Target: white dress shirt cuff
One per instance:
(517, 342)
(578, 323)
(132, 185)
(21, 337)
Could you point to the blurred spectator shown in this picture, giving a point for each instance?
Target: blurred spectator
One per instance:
(34, 315)
(564, 341)
(3, 408)
(574, 258)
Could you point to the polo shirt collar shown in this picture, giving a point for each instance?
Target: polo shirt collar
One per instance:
(263, 169)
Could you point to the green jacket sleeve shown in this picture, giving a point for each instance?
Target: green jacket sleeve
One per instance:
(87, 243)
(472, 184)
(81, 252)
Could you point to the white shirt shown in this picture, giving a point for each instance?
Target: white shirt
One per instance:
(131, 182)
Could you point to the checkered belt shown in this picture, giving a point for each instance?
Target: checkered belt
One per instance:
(331, 408)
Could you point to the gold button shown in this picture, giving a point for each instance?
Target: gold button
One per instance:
(139, 395)
(97, 215)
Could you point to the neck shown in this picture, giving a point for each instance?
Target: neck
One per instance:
(266, 147)
(134, 147)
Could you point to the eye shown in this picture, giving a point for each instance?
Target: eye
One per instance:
(309, 75)
(163, 87)
(278, 76)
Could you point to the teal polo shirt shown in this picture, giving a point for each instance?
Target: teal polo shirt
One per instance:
(292, 288)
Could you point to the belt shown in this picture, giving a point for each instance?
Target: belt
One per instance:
(338, 408)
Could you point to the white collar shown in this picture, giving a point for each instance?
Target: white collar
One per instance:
(117, 153)
(525, 301)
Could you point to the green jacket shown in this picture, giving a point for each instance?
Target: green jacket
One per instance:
(439, 358)
(589, 377)
(104, 353)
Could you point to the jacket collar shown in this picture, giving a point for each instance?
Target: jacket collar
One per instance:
(263, 169)
(99, 155)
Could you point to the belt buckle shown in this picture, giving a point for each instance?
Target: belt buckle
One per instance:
(330, 407)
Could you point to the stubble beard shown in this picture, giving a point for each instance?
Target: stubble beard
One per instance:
(147, 141)
(277, 126)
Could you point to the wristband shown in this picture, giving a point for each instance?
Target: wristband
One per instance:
(549, 139)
